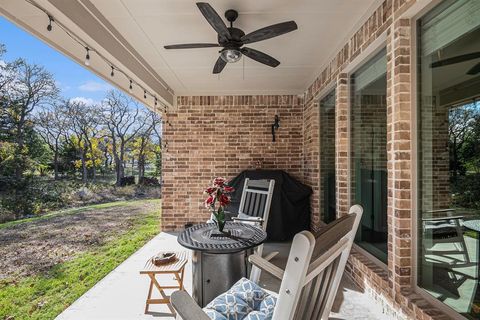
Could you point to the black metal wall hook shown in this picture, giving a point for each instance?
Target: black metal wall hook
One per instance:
(275, 126)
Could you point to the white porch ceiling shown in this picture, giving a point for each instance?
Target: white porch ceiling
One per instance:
(148, 25)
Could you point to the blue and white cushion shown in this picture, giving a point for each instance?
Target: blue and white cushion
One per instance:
(244, 301)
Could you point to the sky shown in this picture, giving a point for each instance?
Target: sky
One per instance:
(74, 81)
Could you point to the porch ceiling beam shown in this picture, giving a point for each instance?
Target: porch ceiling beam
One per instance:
(85, 15)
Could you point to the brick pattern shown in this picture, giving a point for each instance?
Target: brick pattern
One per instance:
(342, 145)
(221, 136)
(399, 146)
(311, 152)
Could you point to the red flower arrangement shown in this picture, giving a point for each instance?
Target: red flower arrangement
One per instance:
(218, 198)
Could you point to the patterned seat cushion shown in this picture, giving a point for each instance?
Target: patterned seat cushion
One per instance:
(244, 301)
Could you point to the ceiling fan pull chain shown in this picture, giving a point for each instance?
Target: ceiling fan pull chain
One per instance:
(243, 69)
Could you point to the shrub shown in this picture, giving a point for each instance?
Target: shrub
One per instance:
(34, 195)
(127, 181)
(467, 191)
(21, 198)
(149, 181)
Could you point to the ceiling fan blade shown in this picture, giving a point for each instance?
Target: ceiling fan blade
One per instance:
(260, 57)
(474, 70)
(219, 65)
(192, 45)
(269, 32)
(457, 59)
(214, 19)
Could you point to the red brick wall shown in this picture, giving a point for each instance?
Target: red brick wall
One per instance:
(207, 137)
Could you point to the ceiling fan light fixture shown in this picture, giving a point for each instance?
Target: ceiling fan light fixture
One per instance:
(231, 55)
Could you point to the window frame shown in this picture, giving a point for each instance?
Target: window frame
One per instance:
(420, 13)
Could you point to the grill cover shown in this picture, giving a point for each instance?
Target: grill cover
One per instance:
(290, 208)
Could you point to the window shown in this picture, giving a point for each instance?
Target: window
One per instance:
(327, 158)
(449, 154)
(368, 136)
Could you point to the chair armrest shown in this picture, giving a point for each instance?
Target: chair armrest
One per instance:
(266, 266)
(186, 307)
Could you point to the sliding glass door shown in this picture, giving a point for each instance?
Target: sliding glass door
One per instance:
(449, 155)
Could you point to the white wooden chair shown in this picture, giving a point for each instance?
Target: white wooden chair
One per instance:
(311, 278)
(255, 202)
(254, 209)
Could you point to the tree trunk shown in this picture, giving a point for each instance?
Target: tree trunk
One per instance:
(55, 163)
(84, 167)
(141, 168)
(19, 160)
(120, 168)
(105, 155)
(133, 165)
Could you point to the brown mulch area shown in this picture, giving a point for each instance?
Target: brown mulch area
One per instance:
(34, 247)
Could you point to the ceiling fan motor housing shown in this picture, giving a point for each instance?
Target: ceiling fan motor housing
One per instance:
(235, 38)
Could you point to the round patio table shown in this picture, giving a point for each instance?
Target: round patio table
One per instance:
(219, 259)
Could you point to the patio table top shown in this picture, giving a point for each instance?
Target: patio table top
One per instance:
(238, 237)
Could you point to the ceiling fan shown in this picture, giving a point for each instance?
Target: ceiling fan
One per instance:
(461, 58)
(232, 39)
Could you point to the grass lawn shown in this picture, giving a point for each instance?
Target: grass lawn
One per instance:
(45, 295)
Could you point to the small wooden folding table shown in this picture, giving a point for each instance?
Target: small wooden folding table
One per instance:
(176, 268)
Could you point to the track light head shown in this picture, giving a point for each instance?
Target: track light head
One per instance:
(50, 20)
(87, 57)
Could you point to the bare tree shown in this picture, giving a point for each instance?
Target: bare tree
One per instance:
(123, 119)
(28, 87)
(88, 121)
(84, 126)
(51, 125)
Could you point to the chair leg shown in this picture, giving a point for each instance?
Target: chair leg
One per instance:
(255, 272)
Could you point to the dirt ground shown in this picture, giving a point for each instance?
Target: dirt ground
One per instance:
(34, 247)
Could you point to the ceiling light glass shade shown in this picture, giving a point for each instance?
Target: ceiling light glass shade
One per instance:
(230, 55)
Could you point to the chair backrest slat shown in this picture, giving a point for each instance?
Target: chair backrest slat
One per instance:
(312, 306)
(314, 269)
(256, 198)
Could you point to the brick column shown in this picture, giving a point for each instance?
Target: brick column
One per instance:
(342, 144)
(399, 146)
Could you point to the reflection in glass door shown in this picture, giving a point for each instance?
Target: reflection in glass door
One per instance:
(327, 158)
(368, 119)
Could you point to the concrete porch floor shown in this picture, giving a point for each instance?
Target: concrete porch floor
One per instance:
(121, 294)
